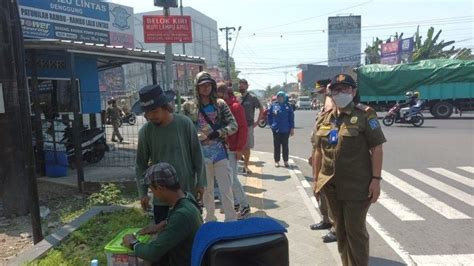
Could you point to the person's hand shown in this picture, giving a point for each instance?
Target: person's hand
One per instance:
(316, 194)
(374, 190)
(153, 228)
(238, 155)
(292, 132)
(199, 193)
(213, 135)
(128, 240)
(310, 160)
(145, 202)
(255, 124)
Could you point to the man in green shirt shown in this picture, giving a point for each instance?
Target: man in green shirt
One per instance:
(175, 235)
(171, 138)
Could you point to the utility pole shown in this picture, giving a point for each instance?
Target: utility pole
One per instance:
(178, 93)
(18, 186)
(227, 39)
(166, 4)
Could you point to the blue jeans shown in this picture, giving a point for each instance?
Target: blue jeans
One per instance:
(237, 189)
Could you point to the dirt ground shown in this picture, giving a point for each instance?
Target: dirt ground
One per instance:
(64, 204)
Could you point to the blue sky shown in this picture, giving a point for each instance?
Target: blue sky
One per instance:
(277, 35)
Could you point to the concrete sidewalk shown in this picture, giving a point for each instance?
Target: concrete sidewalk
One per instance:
(278, 193)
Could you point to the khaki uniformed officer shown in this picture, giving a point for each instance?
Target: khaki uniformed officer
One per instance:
(327, 219)
(348, 165)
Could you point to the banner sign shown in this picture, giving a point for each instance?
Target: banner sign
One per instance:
(397, 51)
(344, 40)
(171, 29)
(78, 20)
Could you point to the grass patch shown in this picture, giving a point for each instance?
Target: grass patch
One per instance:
(89, 240)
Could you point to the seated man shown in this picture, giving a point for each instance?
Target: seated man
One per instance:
(174, 241)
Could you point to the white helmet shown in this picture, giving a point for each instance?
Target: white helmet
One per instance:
(409, 94)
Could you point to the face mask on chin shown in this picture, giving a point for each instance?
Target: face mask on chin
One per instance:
(242, 90)
(342, 99)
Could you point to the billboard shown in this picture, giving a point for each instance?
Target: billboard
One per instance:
(170, 29)
(396, 52)
(344, 40)
(78, 20)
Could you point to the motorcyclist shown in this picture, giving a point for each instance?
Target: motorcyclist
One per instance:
(406, 108)
(124, 107)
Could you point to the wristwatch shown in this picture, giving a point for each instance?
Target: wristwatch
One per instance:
(132, 245)
(377, 177)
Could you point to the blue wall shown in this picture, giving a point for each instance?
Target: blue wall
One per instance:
(56, 65)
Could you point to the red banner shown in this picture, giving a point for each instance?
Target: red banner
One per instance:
(171, 29)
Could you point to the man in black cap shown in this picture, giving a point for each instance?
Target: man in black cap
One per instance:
(348, 165)
(175, 235)
(167, 137)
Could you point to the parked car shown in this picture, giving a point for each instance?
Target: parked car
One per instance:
(304, 103)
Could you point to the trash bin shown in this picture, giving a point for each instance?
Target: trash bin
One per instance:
(256, 251)
(55, 163)
(118, 255)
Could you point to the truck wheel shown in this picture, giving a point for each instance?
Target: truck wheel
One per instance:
(442, 110)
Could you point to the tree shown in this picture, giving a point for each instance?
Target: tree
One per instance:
(372, 52)
(222, 65)
(431, 48)
(270, 91)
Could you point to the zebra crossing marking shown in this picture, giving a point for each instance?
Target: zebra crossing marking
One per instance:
(305, 183)
(467, 169)
(398, 209)
(425, 199)
(453, 176)
(455, 259)
(453, 192)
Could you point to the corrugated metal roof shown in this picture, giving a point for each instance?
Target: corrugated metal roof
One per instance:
(102, 50)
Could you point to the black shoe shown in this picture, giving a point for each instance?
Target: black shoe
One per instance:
(244, 213)
(113, 140)
(236, 207)
(287, 165)
(320, 226)
(329, 237)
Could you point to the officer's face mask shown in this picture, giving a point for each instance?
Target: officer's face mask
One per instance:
(342, 99)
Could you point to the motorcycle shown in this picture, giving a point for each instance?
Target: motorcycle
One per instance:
(93, 144)
(129, 118)
(393, 116)
(262, 123)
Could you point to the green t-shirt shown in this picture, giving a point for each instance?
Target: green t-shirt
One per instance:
(176, 239)
(177, 144)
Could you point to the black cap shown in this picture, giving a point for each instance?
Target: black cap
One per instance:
(343, 79)
(322, 84)
(151, 97)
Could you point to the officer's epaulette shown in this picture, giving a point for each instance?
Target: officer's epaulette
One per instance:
(363, 107)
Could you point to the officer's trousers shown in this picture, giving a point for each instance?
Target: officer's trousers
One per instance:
(325, 212)
(351, 230)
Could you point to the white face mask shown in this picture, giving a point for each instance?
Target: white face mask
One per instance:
(342, 99)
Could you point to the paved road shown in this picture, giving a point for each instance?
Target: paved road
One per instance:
(425, 212)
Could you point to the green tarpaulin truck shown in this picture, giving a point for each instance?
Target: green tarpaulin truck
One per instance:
(445, 84)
